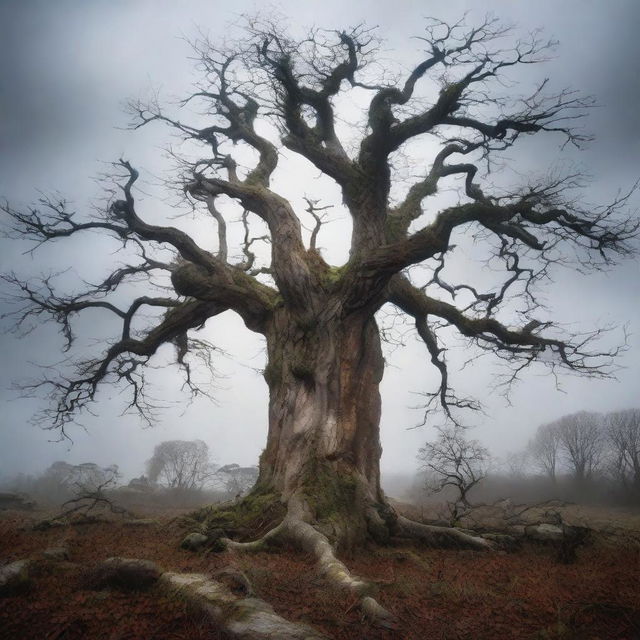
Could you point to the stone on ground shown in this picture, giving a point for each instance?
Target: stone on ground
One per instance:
(194, 541)
(544, 532)
(128, 574)
(56, 553)
(14, 578)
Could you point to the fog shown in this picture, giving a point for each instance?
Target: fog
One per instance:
(66, 70)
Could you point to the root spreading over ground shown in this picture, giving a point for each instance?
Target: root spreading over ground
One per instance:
(448, 593)
(299, 529)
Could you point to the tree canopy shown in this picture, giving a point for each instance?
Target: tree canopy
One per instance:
(269, 93)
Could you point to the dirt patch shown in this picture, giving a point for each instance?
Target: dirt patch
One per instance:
(432, 593)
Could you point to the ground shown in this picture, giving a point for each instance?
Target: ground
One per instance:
(443, 594)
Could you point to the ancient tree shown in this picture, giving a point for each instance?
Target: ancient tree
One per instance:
(268, 96)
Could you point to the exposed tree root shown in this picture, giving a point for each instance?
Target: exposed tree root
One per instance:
(298, 528)
(435, 536)
(243, 618)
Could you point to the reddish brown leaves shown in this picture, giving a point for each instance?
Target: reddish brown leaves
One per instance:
(439, 594)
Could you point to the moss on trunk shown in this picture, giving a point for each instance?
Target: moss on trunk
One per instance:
(323, 443)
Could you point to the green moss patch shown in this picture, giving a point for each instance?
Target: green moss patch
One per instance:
(249, 518)
(332, 494)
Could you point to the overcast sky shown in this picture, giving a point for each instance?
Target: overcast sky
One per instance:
(67, 67)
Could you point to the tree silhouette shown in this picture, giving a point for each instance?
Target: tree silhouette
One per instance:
(270, 94)
(582, 441)
(183, 465)
(623, 434)
(545, 449)
(452, 460)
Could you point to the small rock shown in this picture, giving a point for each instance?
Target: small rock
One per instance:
(128, 574)
(518, 530)
(544, 532)
(502, 541)
(14, 578)
(56, 553)
(140, 522)
(194, 542)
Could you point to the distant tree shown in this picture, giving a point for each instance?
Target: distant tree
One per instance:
(453, 461)
(58, 473)
(237, 480)
(622, 429)
(516, 463)
(86, 476)
(582, 443)
(89, 476)
(19, 483)
(180, 464)
(544, 449)
(62, 480)
(91, 494)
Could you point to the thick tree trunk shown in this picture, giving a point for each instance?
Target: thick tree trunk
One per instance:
(322, 457)
(323, 443)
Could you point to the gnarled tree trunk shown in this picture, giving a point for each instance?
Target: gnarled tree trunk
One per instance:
(323, 443)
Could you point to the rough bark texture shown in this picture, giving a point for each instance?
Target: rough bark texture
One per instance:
(324, 412)
(324, 407)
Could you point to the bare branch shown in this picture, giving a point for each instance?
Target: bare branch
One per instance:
(318, 143)
(312, 209)
(603, 231)
(122, 361)
(223, 249)
(518, 348)
(38, 301)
